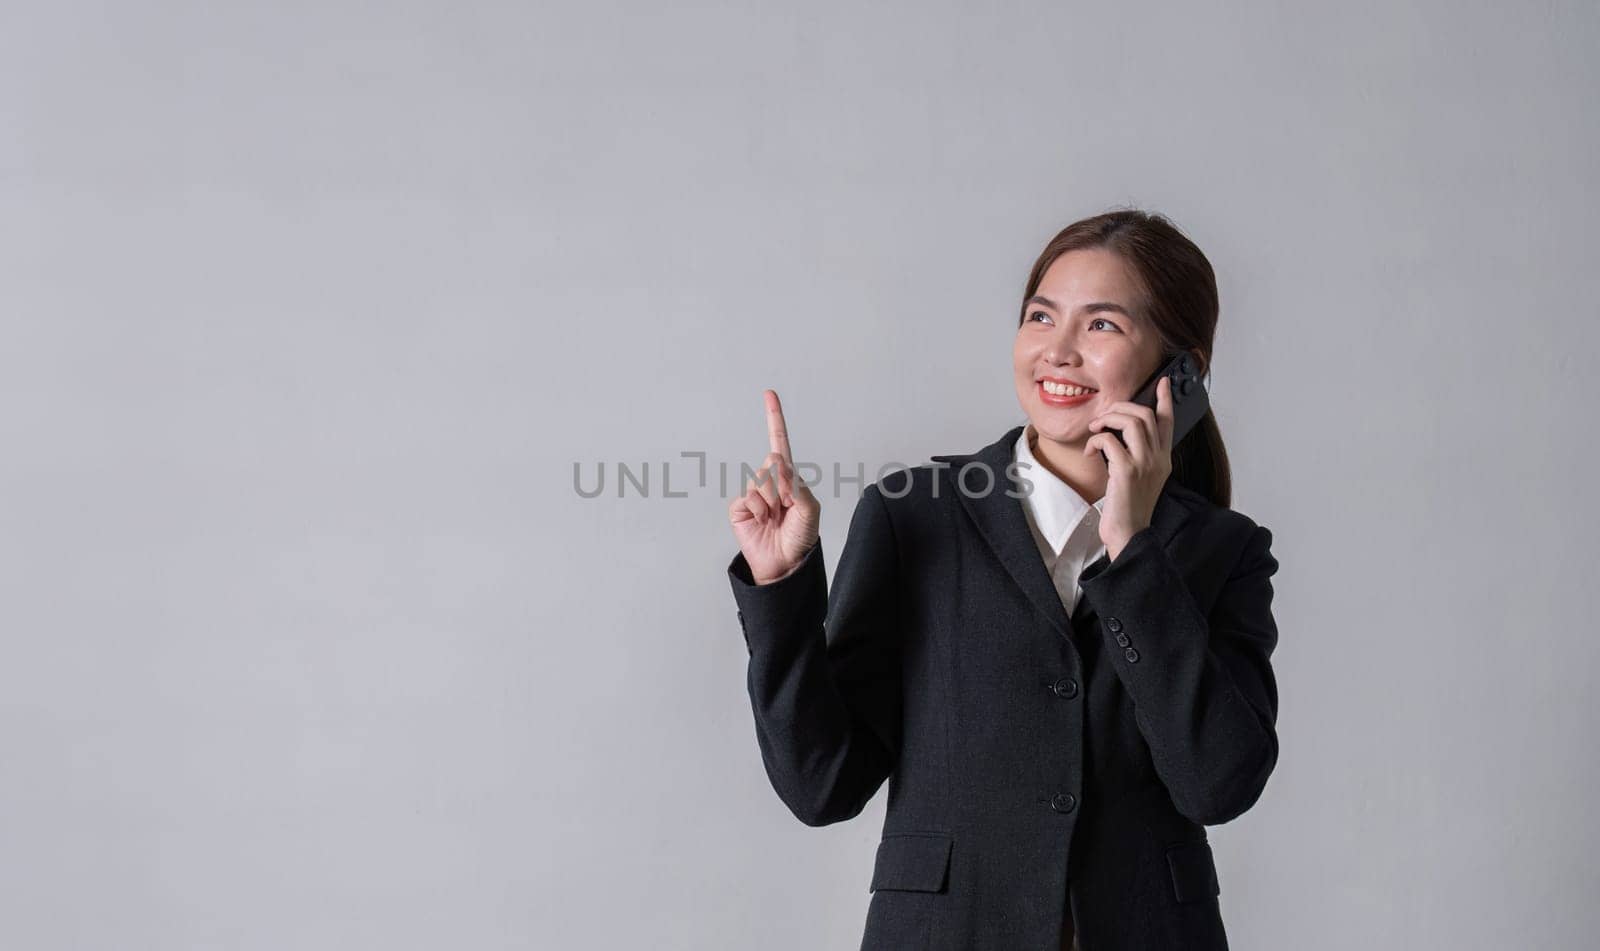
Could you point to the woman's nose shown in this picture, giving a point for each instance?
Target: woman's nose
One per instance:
(1061, 352)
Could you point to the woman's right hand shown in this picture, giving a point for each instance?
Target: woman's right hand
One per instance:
(776, 519)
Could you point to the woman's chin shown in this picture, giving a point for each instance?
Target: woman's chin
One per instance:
(1057, 431)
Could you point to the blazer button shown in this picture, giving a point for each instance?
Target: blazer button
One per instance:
(1065, 687)
(1063, 802)
(1122, 640)
(1132, 655)
(1113, 624)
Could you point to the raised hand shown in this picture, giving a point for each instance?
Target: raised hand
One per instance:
(776, 519)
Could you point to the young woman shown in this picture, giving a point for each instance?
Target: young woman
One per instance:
(1059, 660)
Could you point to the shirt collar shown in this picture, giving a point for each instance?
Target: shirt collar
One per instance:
(1055, 508)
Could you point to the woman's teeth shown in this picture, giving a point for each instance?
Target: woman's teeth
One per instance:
(1060, 389)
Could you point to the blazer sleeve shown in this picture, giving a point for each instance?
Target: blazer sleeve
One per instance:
(824, 670)
(1203, 690)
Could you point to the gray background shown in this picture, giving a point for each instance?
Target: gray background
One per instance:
(310, 309)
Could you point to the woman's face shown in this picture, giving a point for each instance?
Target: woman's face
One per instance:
(1084, 328)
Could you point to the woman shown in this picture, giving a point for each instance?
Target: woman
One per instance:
(1062, 667)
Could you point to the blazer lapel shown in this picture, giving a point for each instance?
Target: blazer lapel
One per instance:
(999, 517)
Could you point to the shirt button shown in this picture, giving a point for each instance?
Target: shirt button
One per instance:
(1132, 655)
(1065, 687)
(1113, 624)
(1122, 640)
(1063, 802)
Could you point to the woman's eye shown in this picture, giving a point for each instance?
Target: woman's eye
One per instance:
(1038, 313)
(1102, 320)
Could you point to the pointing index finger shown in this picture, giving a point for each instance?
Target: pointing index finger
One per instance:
(777, 431)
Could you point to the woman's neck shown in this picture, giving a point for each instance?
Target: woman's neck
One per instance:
(1085, 474)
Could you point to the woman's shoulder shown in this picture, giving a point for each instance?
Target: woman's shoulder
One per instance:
(908, 483)
(1220, 521)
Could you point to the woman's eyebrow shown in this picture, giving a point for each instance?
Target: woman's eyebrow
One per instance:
(1092, 308)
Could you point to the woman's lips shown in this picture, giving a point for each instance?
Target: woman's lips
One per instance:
(1054, 400)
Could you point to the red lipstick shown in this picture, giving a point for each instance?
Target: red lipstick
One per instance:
(1051, 399)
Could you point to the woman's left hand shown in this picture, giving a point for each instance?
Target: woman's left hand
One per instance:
(1137, 471)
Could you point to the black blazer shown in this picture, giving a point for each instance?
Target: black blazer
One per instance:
(1029, 755)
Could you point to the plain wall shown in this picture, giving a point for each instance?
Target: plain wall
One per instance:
(310, 310)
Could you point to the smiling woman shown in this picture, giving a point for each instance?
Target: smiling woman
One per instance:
(1108, 299)
(1064, 678)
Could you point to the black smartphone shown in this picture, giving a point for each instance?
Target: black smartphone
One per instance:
(1189, 397)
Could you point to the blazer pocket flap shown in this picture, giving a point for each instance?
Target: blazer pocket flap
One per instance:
(1194, 872)
(912, 862)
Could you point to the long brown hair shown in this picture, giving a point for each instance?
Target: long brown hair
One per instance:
(1180, 301)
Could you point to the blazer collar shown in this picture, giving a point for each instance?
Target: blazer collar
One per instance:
(1000, 520)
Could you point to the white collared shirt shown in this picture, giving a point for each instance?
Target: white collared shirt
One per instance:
(1065, 527)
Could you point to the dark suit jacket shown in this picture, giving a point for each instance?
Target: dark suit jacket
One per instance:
(1029, 755)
